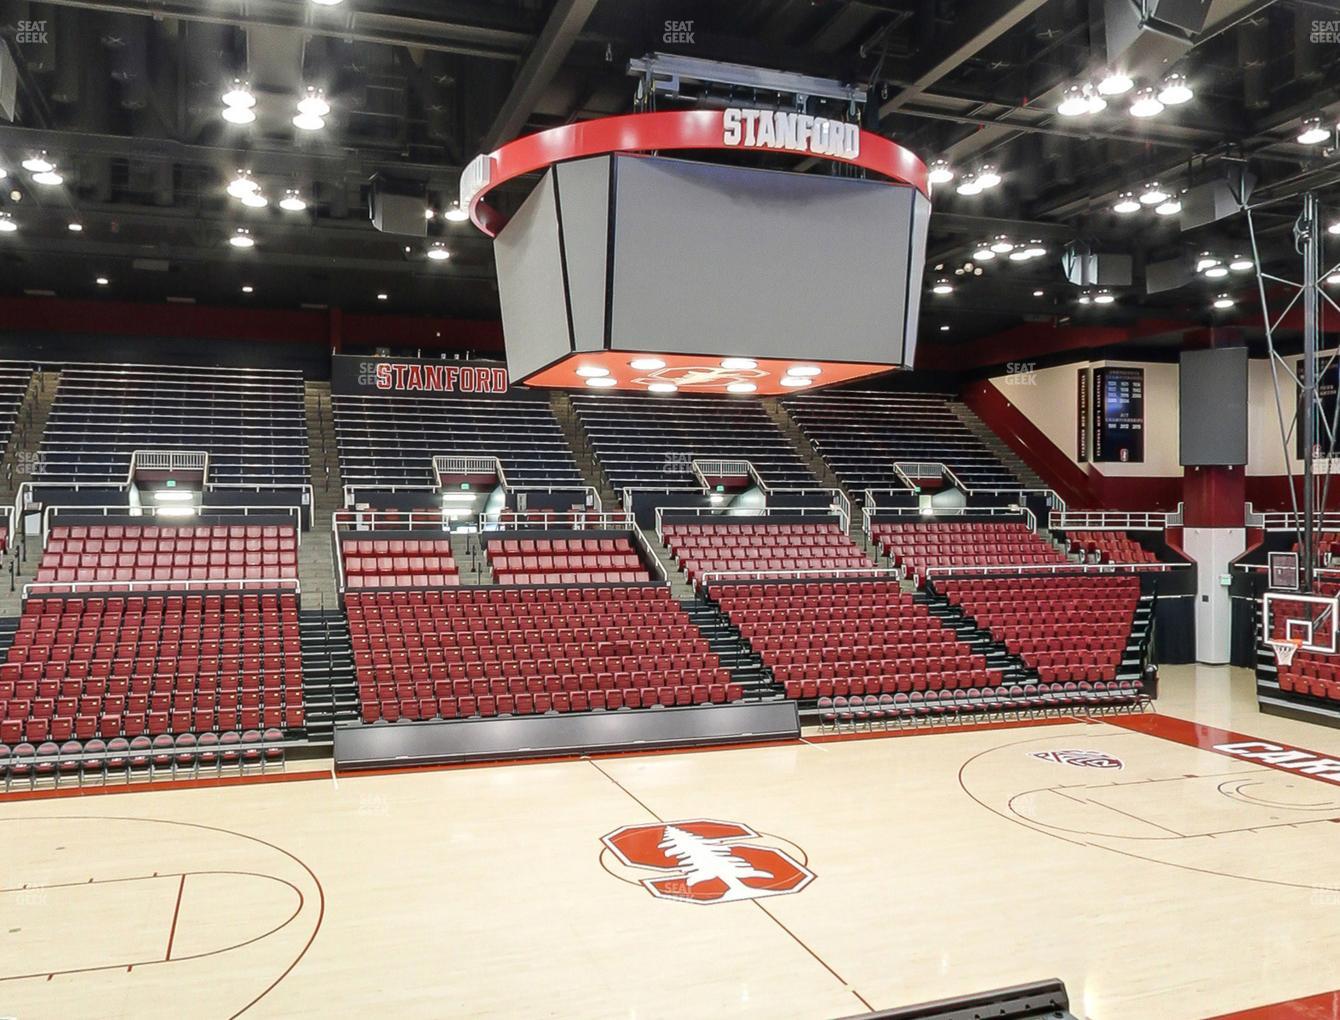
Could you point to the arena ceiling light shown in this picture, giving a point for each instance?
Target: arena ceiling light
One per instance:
(102, 281)
(647, 364)
(804, 371)
(292, 201)
(1333, 279)
(1001, 245)
(308, 122)
(1085, 297)
(1205, 260)
(74, 227)
(662, 387)
(383, 296)
(988, 176)
(38, 163)
(1175, 90)
(602, 382)
(1104, 297)
(944, 329)
(592, 371)
(1153, 194)
(242, 238)
(1223, 301)
(982, 252)
(969, 185)
(255, 200)
(1074, 103)
(247, 288)
(1037, 293)
(939, 171)
(438, 252)
(238, 114)
(1126, 203)
(794, 381)
(239, 94)
(738, 364)
(1169, 207)
(242, 185)
(455, 214)
(1216, 272)
(741, 387)
(1312, 133)
(313, 102)
(1240, 263)
(7, 224)
(1145, 103)
(1036, 249)
(942, 286)
(1334, 228)
(1114, 83)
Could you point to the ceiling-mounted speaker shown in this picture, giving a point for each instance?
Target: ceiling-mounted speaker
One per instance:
(398, 208)
(1145, 35)
(9, 84)
(1085, 268)
(1168, 275)
(1215, 200)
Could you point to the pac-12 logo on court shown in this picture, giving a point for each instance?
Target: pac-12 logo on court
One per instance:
(704, 861)
(1083, 759)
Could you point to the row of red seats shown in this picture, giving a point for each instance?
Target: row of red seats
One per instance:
(488, 706)
(918, 546)
(134, 724)
(1110, 547)
(232, 532)
(550, 546)
(490, 596)
(141, 755)
(770, 548)
(565, 561)
(151, 544)
(948, 706)
(398, 563)
(104, 666)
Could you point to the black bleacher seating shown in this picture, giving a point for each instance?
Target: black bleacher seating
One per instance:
(14, 379)
(649, 442)
(862, 433)
(391, 440)
(252, 422)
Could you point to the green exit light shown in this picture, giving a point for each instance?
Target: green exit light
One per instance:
(172, 483)
(465, 486)
(721, 488)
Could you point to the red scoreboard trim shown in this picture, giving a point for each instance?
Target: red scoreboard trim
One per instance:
(653, 132)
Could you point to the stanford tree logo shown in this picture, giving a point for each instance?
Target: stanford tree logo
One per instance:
(704, 861)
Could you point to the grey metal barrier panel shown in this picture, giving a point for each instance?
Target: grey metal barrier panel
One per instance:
(379, 745)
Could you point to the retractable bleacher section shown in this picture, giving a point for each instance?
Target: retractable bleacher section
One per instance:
(252, 423)
(862, 434)
(645, 442)
(916, 546)
(1109, 547)
(1066, 627)
(565, 561)
(488, 651)
(108, 557)
(389, 441)
(801, 549)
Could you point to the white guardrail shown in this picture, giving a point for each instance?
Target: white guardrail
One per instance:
(161, 584)
(982, 569)
(1108, 520)
(135, 515)
(853, 573)
(758, 511)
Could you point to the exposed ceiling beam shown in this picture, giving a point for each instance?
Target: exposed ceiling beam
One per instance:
(990, 22)
(566, 20)
(474, 30)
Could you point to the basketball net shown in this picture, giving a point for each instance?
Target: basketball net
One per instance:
(1285, 649)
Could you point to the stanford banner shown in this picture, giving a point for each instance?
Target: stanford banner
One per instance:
(373, 376)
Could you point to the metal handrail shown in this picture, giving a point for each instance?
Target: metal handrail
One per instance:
(107, 510)
(1049, 568)
(759, 511)
(63, 587)
(706, 578)
(1108, 520)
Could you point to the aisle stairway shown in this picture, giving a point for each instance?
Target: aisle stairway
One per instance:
(316, 568)
(584, 454)
(330, 695)
(724, 639)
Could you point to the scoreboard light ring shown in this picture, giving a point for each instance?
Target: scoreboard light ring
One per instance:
(671, 130)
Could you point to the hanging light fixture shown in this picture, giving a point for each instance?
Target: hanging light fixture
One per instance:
(1169, 206)
(987, 176)
(1153, 194)
(48, 178)
(292, 201)
(242, 238)
(313, 102)
(969, 185)
(1073, 102)
(1000, 244)
(1216, 272)
(1145, 103)
(1104, 297)
(1114, 83)
(1085, 297)
(1205, 260)
(1223, 301)
(239, 94)
(455, 214)
(1126, 203)
(255, 200)
(982, 252)
(1175, 90)
(38, 163)
(242, 185)
(939, 171)
(942, 286)
(1036, 249)
(1240, 263)
(438, 252)
(7, 224)
(1312, 133)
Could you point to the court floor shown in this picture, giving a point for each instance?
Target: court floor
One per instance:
(1157, 867)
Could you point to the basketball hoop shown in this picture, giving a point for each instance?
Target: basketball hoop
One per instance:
(1285, 649)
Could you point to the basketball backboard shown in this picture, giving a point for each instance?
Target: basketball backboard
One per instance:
(1292, 621)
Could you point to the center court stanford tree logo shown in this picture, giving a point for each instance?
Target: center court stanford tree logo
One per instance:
(704, 861)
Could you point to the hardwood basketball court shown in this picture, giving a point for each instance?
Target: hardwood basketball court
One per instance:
(1145, 873)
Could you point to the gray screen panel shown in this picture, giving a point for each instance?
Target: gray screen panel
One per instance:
(530, 284)
(1213, 398)
(710, 258)
(583, 200)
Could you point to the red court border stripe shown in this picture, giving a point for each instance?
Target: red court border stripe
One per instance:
(1199, 735)
(1324, 1006)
